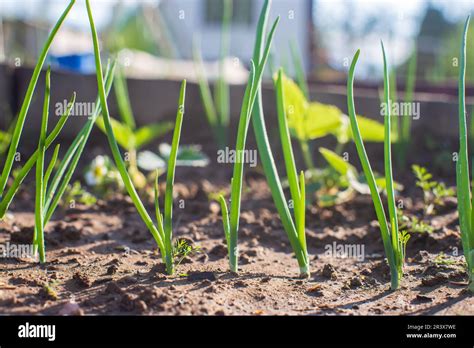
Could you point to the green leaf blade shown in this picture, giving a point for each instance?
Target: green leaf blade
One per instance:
(39, 201)
(27, 100)
(462, 166)
(112, 141)
(286, 143)
(388, 167)
(146, 134)
(380, 212)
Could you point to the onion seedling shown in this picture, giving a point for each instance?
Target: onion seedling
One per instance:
(434, 192)
(162, 231)
(74, 152)
(71, 154)
(231, 219)
(20, 122)
(266, 156)
(391, 237)
(466, 216)
(39, 202)
(297, 185)
(43, 206)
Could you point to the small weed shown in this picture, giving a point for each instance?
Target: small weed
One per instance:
(434, 192)
(183, 249)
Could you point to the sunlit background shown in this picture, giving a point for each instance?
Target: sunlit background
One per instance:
(325, 32)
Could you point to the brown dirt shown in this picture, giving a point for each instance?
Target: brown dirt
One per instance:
(102, 260)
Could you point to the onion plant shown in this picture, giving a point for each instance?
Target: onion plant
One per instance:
(393, 240)
(40, 179)
(217, 108)
(465, 205)
(162, 230)
(72, 155)
(266, 156)
(20, 121)
(297, 184)
(49, 194)
(231, 218)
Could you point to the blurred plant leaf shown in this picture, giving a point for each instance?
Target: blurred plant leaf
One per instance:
(123, 99)
(295, 101)
(4, 141)
(337, 162)
(370, 130)
(124, 135)
(341, 196)
(355, 180)
(382, 184)
(308, 121)
(320, 120)
(148, 133)
(150, 161)
(188, 156)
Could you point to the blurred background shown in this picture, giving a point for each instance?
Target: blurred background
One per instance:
(325, 32)
(209, 42)
(160, 42)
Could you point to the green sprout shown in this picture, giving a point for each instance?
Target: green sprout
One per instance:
(162, 231)
(466, 216)
(77, 193)
(443, 259)
(40, 178)
(434, 192)
(231, 219)
(47, 194)
(413, 224)
(165, 224)
(346, 178)
(392, 239)
(297, 185)
(266, 156)
(183, 249)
